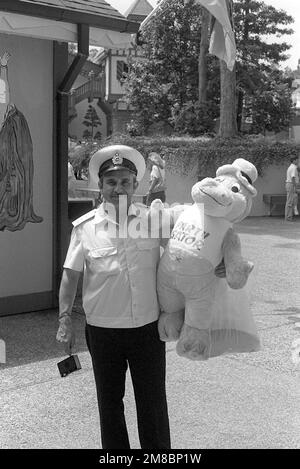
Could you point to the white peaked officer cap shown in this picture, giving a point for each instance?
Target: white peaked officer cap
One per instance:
(113, 158)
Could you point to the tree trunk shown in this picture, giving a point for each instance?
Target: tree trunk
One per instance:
(241, 94)
(202, 65)
(240, 107)
(228, 124)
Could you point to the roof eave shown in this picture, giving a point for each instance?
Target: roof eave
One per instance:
(132, 7)
(69, 16)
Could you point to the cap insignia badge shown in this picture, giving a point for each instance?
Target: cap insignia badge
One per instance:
(117, 158)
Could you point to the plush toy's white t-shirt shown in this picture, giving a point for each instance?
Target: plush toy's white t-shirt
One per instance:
(198, 236)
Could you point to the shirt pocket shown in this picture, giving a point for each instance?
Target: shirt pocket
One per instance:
(104, 260)
(148, 253)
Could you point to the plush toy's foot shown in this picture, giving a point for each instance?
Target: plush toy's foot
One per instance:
(170, 325)
(237, 274)
(193, 343)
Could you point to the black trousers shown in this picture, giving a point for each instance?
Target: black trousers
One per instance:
(155, 195)
(112, 350)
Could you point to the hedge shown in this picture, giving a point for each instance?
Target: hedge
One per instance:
(183, 154)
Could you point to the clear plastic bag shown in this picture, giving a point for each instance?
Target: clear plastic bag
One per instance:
(233, 329)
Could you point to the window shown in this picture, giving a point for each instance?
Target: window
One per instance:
(122, 69)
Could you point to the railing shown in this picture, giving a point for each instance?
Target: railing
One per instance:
(94, 88)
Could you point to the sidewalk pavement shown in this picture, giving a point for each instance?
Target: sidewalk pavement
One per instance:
(235, 401)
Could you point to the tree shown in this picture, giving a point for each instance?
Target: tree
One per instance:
(98, 136)
(255, 21)
(91, 119)
(167, 77)
(86, 134)
(271, 108)
(228, 122)
(202, 65)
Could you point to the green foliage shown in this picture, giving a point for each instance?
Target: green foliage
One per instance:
(134, 129)
(146, 95)
(203, 155)
(87, 134)
(271, 108)
(195, 118)
(168, 75)
(98, 135)
(258, 58)
(80, 156)
(254, 21)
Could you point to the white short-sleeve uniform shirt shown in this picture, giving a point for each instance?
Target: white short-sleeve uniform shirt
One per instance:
(292, 171)
(119, 273)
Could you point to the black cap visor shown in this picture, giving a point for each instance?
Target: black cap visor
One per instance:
(110, 166)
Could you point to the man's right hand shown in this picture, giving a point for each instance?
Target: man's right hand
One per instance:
(65, 334)
(220, 270)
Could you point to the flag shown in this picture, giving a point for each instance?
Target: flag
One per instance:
(222, 41)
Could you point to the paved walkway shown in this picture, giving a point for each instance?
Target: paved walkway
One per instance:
(239, 401)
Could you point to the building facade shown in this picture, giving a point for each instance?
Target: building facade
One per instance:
(104, 90)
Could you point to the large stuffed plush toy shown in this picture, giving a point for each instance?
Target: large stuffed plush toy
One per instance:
(208, 315)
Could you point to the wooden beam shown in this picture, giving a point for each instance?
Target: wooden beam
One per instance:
(60, 162)
(79, 60)
(64, 79)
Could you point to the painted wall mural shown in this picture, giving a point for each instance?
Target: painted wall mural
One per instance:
(16, 161)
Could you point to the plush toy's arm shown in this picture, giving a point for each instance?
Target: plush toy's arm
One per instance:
(161, 219)
(237, 268)
(176, 211)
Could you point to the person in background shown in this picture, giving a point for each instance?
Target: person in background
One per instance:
(292, 179)
(157, 187)
(296, 197)
(71, 181)
(296, 212)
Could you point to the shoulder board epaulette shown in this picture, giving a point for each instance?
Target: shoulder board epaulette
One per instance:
(85, 217)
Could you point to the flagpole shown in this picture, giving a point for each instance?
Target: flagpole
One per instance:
(202, 65)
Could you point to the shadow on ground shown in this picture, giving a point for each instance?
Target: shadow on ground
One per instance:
(262, 226)
(30, 337)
